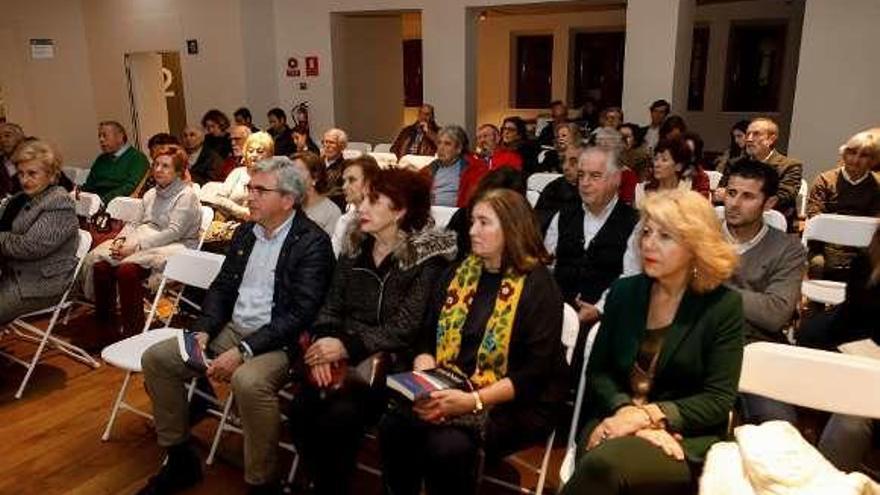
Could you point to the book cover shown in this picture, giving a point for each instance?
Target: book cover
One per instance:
(417, 385)
(192, 353)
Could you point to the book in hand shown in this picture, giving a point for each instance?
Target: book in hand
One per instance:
(192, 353)
(418, 385)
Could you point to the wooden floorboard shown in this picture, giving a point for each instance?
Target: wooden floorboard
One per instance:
(50, 440)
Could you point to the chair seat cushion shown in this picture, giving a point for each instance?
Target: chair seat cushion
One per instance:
(126, 354)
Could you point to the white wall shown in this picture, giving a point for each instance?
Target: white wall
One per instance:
(836, 81)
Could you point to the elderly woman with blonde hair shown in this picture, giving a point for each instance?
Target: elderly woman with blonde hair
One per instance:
(664, 370)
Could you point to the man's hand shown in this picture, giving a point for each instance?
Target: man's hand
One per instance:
(222, 368)
(325, 350)
(587, 312)
(322, 374)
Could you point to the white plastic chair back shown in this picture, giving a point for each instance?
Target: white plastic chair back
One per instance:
(196, 188)
(802, 194)
(205, 223)
(571, 326)
(846, 230)
(533, 197)
(838, 383)
(537, 182)
(385, 160)
(194, 268)
(77, 175)
(87, 204)
(417, 162)
(568, 462)
(382, 148)
(129, 210)
(350, 154)
(714, 179)
(442, 215)
(360, 146)
(771, 217)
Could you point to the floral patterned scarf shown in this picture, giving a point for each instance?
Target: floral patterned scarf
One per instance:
(493, 351)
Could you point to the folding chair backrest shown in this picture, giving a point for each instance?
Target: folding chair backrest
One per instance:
(714, 179)
(129, 210)
(350, 154)
(383, 148)
(417, 162)
(205, 223)
(360, 146)
(195, 268)
(845, 230)
(385, 160)
(442, 215)
(827, 381)
(571, 326)
(537, 182)
(87, 204)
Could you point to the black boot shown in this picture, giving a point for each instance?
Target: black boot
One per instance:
(183, 470)
(273, 488)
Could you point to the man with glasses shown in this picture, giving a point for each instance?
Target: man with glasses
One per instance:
(590, 238)
(270, 289)
(333, 144)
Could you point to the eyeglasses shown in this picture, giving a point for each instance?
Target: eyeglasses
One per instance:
(260, 190)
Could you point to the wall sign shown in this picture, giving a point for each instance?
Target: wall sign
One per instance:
(192, 47)
(42, 48)
(293, 67)
(312, 66)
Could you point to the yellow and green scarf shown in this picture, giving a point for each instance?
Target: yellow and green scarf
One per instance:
(493, 351)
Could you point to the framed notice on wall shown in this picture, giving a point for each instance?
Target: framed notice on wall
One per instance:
(42, 48)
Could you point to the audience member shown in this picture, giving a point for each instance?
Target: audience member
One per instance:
(280, 132)
(38, 234)
(449, 170)
(356, 174)
(659, 111)
(496, 319)
(333, 143)
(589, 239)
(559, 116)
(229, 198)
(514, 137)
(315, 204)
(736, 148)
(237, 137)
(635, 154)
(491, 154)
(216, 126)
(561, 192)
(157, 144)
(770, 270)
(609, 118)
(249, 325)
(460, 223)
(204, 163)
(243, 117)
(119, 168)
(419, 138)
(847, 189)
(665, 366)
(303, 140)
(589, 112)
(386, 275)
(673, 127)
(611, 140)
(695, 143)
(550, 160)
(158, 141)
(672, 169)
(10, 137)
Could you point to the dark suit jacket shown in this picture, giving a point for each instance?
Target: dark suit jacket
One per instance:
(302, 277)
(698, 370)
(207, 168)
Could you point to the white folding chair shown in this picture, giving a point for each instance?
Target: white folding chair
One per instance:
(777, 371)
(77, 175)
(30, 332)
(568, 462)
(384, 159)
(570, 329)
(802, 194)
(442, 215)
(382, 148)
(533, 197)
(771, 217)
(207, 218)
(360, 146)
(537, 182)
(714, 179)
(194, 268)
(845, 230)
(417, 162)
(87, 204)
(350, 154)
(129, 210)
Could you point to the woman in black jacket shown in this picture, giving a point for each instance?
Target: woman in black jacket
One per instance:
(376, 304)
(497, 320)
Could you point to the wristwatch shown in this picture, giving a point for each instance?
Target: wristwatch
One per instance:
(478, 402)
(245, 351)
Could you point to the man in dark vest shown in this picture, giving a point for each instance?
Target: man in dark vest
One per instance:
(589, 239)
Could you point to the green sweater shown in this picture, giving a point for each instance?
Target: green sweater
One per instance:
(111, 177)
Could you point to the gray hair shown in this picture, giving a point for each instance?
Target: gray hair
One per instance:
(289, 180)
(457, 134)
(612, 165)
(340, 136)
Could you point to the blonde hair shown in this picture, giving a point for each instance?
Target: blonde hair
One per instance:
(41, 151)
(693, 221)
(261, 138)
(868, 140)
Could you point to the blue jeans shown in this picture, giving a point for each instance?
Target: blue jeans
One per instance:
(845, 441)
(757, 409)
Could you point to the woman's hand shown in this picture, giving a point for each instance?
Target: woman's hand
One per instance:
(322, 375)
(626, 421)
(669, 443)
(424, 362)
(325, 350)
(444, 404)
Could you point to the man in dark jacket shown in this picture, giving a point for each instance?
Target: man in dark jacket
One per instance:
(281, 132)
(204, 163)
(268, 292)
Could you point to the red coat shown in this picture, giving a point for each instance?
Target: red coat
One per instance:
(478, 167)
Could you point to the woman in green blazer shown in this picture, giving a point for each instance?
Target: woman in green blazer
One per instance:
(664, 370)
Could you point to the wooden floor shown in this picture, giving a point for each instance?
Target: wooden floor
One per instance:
(50, 439)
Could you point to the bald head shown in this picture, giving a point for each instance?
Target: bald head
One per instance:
(193, 137)
(10, 136)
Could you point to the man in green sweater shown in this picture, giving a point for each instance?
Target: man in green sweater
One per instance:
(772, 265)
(119, 168)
